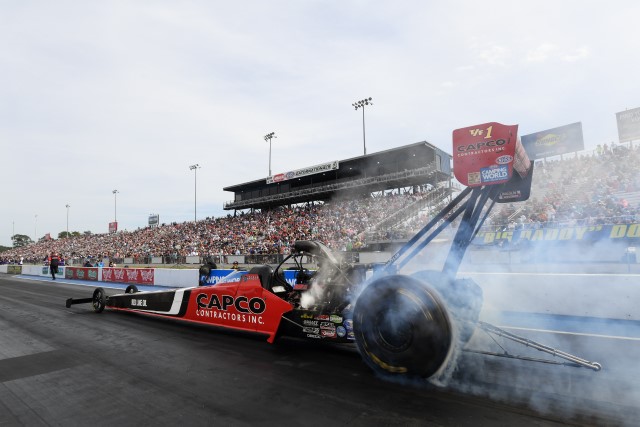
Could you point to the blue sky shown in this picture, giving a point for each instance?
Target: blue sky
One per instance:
(97, 96)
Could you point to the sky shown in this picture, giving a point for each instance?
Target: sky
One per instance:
(126, 95)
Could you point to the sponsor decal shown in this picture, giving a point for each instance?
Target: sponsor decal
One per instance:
(328, 333)
(494, 173)
(242, 304)
(310, 322)
(323, 317)
(313, 336)
(311, 330)
(327, 325)
(503, 160)
(341, 331)
(351, 335)
(482, 146)
(306, 316)
(348, 324)
(548, 140)
(335, 319)
(216, 307)
(138, 302)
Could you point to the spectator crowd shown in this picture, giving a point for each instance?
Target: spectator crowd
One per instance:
(579, 190)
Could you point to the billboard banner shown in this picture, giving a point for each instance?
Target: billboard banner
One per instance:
(138, 276)
(81, 273)
(311, 170)
(554, 142)
(113, 227)
(585, 233)
(628, 125)
(154, 220)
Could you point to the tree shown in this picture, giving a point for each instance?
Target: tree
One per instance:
(4, 248)
(20, 240)
(63, 235)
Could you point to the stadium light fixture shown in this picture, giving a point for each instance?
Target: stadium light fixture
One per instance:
(67, 206)
(361, 104)
(115, 205)
(268, 138)
(195, 168)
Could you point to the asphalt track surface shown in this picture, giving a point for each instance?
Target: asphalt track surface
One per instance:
(72, 367)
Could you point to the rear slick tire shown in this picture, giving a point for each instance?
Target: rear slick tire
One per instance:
(402, 327)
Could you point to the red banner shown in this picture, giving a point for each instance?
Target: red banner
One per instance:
(140, 276)
(81, 273)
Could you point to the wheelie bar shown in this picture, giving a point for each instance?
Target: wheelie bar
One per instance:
(541, 347)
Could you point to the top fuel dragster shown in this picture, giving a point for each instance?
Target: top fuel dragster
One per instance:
(402, 324)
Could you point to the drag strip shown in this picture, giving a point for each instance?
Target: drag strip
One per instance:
(74, 367)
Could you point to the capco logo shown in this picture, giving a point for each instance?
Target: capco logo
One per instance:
(241, 304)
(504, 159)
(481, 145)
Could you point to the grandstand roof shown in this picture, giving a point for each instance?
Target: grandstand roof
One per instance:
(415, 164)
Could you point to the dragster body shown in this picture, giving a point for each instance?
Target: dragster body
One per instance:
(410, 324)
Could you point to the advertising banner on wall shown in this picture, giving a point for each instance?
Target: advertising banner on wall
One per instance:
(14, 269)
(113, 227)
(311, 170)
(81, 273)
(46, 272)
(585, 233)
(554, 142)
(138, 276)
(628, 125)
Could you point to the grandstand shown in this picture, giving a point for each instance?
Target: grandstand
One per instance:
(398, 168)
(371, 208)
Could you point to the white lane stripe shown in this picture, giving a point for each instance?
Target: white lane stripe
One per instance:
(550, 331)
(505, 273)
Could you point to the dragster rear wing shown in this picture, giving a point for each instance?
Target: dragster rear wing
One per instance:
(492, 154)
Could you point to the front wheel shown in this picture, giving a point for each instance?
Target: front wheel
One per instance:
(402, 327)
(131, 289)
(99, 300)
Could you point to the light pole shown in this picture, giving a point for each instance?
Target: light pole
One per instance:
(115, 205)
(361, 104)
(67, 206)
(195, 168)
(268, 137)
(35, 231)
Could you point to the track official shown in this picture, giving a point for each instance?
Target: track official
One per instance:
(53, 264)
